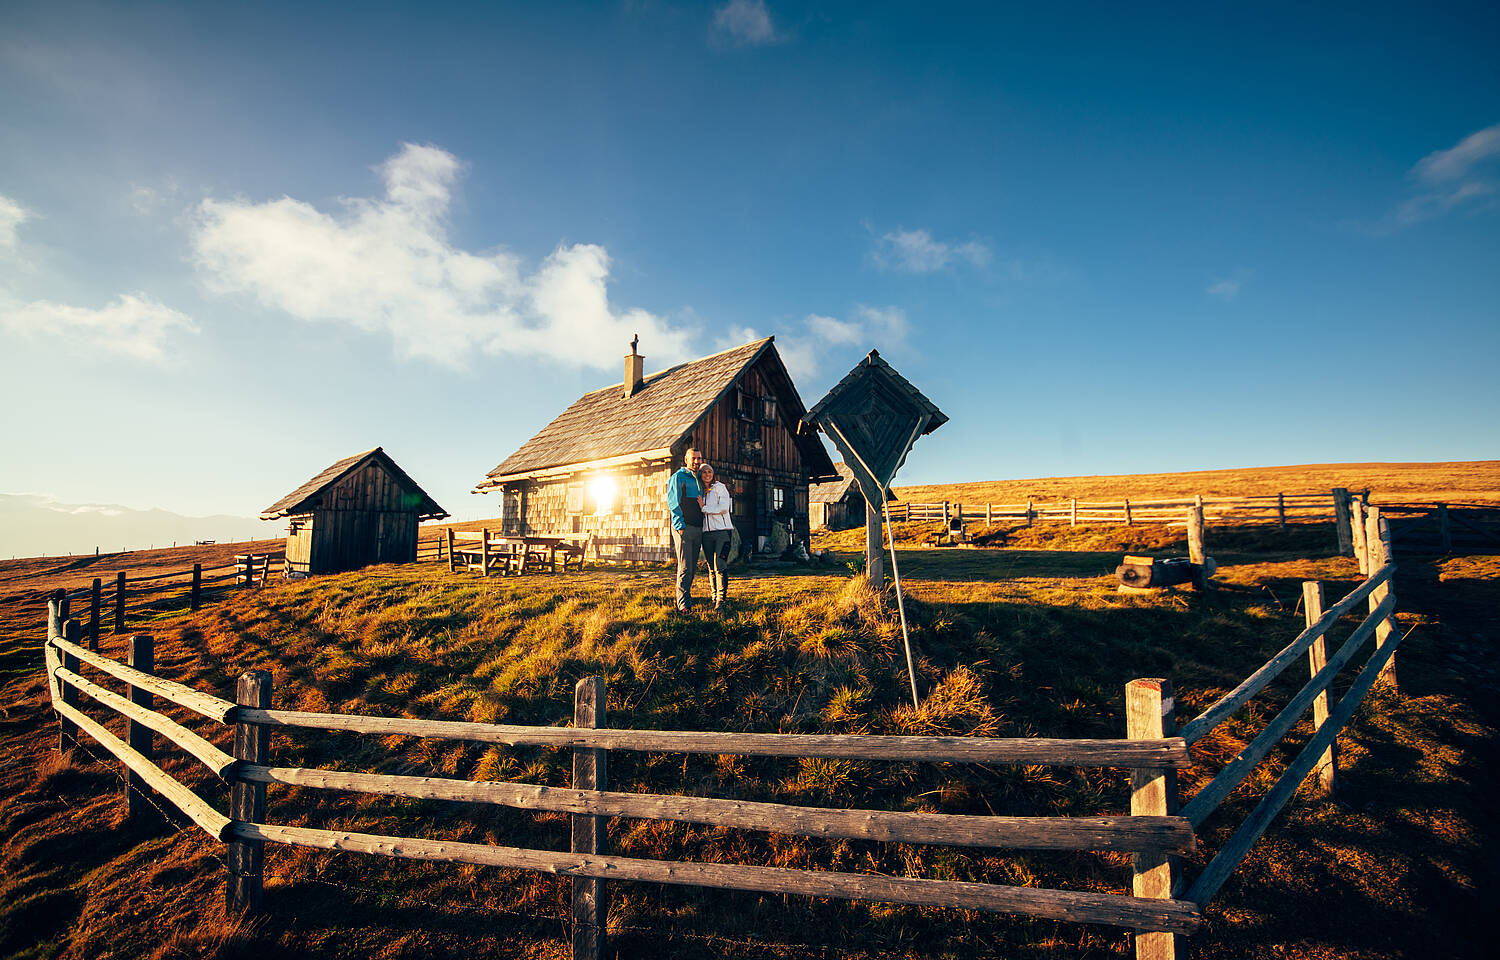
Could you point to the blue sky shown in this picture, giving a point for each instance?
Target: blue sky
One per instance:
(240, 241)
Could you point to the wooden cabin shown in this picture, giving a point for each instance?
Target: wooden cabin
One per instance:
(599, 471)
(838, 504)
(361, 510)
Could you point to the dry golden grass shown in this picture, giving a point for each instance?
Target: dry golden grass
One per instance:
(1473, 481)
(1023, 641)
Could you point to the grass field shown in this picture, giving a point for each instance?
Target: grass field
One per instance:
(1027, 640)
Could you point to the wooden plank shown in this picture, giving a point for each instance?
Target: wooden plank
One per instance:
(1124, 833)
(1313, 600)
(1208, 799)
(184, 696)
(1228, 858)
(211, 756)
(1195, 729)
(243, 888)
(1147, 914)
(214, 823)
(1150, 714)
(1167, 752)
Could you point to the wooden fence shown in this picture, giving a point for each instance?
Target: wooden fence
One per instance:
(111, 601)
(1155, 831)
(1279, 508)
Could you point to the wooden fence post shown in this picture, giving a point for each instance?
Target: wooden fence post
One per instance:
(1341, 520)
(1445, 532)
(989, 514)
(96, 600)
(1074, 518)
(1317, 657)
(1127, 512)
(1377, 535)
(874, 548)
(120, 602)
(1195, 535)
(56, 612)
(945, 511)
(1028, 513)
(451, 566)
(1357, 532)
(138, 735)
(1150, 714)
(195, 599)
(67, 737)
(590, 836)
(1281, 510)
(247, 801)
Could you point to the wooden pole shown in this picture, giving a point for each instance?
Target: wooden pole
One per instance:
(945, 512)
(1196, 553)
(589, 833)
(120, 602)
(874, 548)
(1445, 532)
(1341, 521)
(1074, 518)
(1029, 513)
(989, 514)
(96, 602)
(1127, 512)
(196, 597)
(1281, 510)
(1377, 536)
(451, 565)
(138, 735)
(247, 800)
(1357, 533)
(67, 736)
(1150, 714)
(1317, 657)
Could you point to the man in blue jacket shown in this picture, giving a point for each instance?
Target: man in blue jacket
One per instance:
(683, 492)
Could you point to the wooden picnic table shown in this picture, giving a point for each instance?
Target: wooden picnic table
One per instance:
(515, 553)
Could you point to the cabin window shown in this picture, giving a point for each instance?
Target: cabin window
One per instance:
(602, 496)
(778, 499)
(743, 497)
(768, 410)
(575, 498)
(294, 528)
(747, 404)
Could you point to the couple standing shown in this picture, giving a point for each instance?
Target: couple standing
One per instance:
(700, 507)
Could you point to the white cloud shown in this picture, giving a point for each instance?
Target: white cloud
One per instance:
(12, 215)
(386, 265)
(915, 251)
(746, 22)
(133, 325)
(1450, 180)
(830, 330)
(1227, 288)
(1456, 162)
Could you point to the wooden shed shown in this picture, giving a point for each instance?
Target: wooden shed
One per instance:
(600, 469)
(838, 504)
(361, 510)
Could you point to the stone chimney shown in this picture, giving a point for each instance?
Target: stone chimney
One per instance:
(634, 364)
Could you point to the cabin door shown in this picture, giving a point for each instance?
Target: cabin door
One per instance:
(747, 494)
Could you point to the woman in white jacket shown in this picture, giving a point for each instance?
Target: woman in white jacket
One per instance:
(718, 531)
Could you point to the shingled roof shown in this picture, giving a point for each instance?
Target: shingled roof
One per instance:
(605, 423)
(297, 501)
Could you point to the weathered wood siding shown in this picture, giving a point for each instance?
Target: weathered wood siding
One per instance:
(634, 524)
(299, 541)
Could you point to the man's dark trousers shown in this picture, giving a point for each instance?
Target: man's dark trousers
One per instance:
(688, 541)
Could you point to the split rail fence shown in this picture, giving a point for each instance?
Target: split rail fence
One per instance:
(1280, 508)
(1157, 831)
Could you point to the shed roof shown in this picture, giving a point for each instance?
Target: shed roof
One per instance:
(297, 500)
(605, 423)
(835, 490)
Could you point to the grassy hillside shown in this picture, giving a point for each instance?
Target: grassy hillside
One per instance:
(1474, 481)
(1010, 642)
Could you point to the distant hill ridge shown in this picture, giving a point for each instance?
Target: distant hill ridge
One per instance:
(32, 525)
